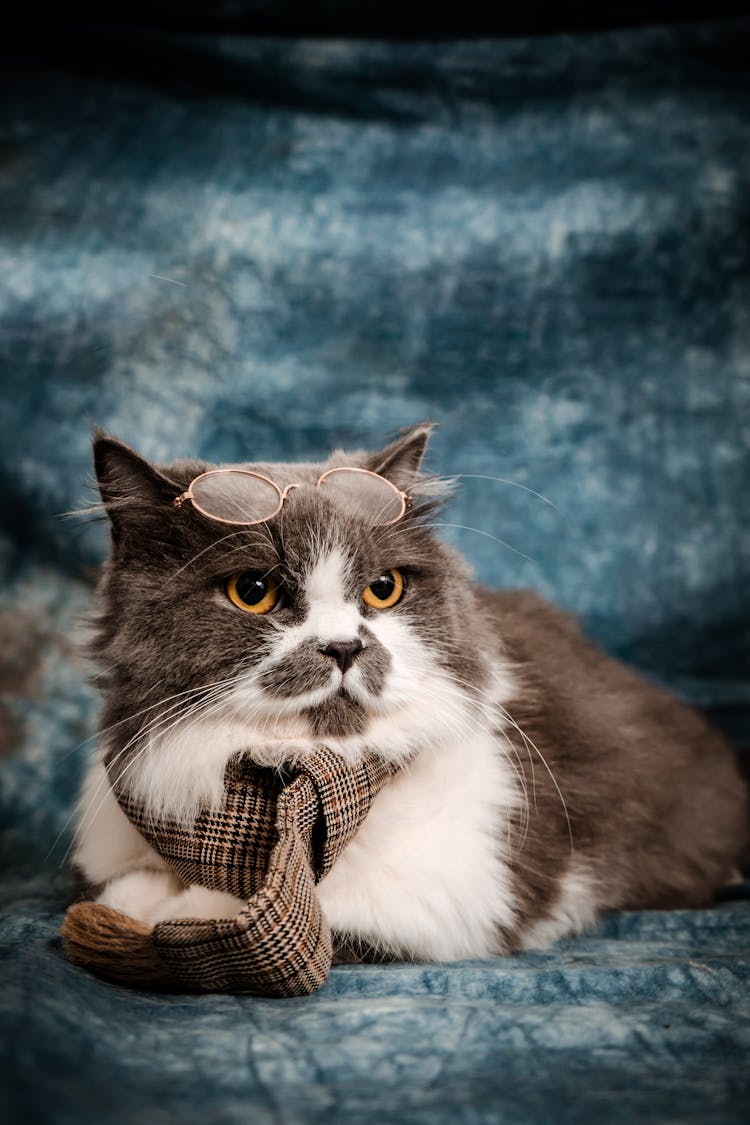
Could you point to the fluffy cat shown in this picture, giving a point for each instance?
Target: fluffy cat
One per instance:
(544, 783)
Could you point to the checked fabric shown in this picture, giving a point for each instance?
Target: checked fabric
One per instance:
(269, 844)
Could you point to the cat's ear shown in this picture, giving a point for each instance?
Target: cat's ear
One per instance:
(400, 461)
(137, 497)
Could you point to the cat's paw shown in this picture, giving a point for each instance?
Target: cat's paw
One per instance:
(139, 892)
(196, 902)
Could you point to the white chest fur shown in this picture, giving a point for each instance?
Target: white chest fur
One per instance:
(426, 873)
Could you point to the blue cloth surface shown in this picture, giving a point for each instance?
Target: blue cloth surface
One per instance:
(246, 249)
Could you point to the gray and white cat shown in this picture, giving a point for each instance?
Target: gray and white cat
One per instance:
(544, 782)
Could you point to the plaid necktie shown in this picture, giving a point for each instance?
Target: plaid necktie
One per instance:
(269, 844)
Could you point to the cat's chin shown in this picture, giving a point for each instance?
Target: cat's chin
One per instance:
(339, 716)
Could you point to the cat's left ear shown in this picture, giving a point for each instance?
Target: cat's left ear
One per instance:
(400, 461)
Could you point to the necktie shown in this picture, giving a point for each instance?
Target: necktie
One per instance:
(269, 843)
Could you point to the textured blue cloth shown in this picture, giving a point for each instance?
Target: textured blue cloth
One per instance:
(243, 249)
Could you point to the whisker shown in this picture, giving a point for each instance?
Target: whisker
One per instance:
(129, 718)
(465, 527)
(484, 709)
(247, 545)
(498, 707)
(148, 728)
(505, 480)
(142, 730)
(220, 698)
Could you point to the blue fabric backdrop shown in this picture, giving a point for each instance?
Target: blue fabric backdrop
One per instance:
(262, 248)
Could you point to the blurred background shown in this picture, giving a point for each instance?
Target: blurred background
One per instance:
(260, 230)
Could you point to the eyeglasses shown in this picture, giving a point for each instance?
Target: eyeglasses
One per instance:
(242, 497)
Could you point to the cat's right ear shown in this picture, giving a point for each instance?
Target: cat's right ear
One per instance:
(400, 461)
(137, 497)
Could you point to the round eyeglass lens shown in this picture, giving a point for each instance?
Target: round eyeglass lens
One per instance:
(235, 497)
(370, 495)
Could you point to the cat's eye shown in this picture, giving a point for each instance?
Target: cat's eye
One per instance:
(385, 591)
(253, 592)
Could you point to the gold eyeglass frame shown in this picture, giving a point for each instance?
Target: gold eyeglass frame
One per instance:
(283, 493)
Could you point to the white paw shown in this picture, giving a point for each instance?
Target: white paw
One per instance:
(139, 892)
(196, 902)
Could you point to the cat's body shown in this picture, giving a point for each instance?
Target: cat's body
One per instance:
(542, 782)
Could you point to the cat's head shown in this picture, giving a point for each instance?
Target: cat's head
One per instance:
(312, 623)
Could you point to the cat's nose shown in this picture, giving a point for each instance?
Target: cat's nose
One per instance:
(343, 652)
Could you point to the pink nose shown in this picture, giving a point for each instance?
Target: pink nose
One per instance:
(343, 652)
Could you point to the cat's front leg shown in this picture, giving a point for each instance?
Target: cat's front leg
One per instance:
(159, 896)
(107, 846)
(112, 855)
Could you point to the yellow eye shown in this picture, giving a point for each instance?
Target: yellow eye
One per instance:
(255, 593)
(385, 591)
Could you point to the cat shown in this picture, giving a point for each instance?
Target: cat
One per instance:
(543, 782)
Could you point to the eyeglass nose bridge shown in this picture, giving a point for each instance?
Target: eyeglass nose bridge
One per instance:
(283, 492)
